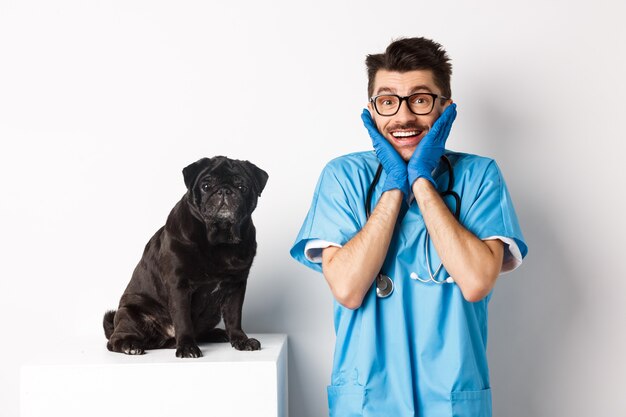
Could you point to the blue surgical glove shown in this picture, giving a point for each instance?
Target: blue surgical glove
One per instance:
(392, 162)
(428, 152)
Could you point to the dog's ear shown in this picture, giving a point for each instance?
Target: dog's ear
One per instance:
(190, 173)
(258, 175)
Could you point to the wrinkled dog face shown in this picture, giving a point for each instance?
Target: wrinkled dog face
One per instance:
(224, 193)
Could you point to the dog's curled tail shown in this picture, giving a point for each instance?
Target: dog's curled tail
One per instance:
(108, 323)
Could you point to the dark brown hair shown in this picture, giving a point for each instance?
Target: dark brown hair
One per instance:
(409, 54)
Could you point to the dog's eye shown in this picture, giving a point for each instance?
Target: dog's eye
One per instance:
(242, 188)
(205, 187)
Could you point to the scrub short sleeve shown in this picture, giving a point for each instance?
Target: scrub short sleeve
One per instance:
(333, 216)
(492, 212)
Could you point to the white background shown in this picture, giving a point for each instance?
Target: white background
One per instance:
(102, 103)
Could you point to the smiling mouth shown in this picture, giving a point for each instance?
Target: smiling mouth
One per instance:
(406, 134)
(407, 137)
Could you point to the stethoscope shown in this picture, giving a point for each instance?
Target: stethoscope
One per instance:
(384, 284)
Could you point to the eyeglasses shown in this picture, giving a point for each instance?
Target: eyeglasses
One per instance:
(418, 103)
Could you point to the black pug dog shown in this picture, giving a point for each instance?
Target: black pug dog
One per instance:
(194, 270)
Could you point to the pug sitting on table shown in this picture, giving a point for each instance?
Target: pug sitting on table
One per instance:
(194, 270)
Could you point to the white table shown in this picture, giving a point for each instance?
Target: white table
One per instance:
(89, 380)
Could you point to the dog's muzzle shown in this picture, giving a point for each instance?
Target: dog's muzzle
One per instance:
(223, 214)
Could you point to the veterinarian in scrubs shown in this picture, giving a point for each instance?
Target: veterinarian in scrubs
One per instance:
(418, 348)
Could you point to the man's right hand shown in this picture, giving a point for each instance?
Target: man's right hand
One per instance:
(392, 162)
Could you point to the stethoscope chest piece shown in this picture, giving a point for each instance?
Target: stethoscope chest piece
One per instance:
(384, 286)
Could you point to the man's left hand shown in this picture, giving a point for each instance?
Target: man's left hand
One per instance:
(428, 152)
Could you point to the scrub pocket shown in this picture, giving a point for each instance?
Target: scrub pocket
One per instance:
(471, 403)
(345, 400)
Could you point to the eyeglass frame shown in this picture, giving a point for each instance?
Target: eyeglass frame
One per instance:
(406, 98)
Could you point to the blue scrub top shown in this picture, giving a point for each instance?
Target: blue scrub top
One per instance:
(421, 351)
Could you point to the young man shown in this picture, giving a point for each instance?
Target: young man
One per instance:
(412, 280)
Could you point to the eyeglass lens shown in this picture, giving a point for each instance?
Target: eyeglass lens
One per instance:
(418, 104)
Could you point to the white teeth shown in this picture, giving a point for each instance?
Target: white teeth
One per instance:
(404, 134)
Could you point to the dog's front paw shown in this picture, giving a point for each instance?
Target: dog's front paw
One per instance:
(188, 351)
(246, 344)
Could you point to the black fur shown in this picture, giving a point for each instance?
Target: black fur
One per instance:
(194, 270)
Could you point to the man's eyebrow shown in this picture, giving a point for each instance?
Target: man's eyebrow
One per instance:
(416, 89)
(419, 88)
(382, 90)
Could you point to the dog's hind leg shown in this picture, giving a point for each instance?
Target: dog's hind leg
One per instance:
(140, 323)
(128, 336)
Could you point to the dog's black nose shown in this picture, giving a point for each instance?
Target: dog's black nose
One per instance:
(224, 191)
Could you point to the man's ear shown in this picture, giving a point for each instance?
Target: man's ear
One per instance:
(258, 175)
(190, 172)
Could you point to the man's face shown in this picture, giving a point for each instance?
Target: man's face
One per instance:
(405, 130)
